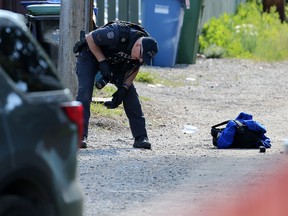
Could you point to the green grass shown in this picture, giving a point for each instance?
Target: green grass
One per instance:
(145, 77)
(100, 109)
(107, 91)
(249, 34)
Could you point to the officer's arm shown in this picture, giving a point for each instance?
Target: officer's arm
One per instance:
(94, 48)
(130, 77)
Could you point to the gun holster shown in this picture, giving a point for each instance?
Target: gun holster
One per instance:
(81, 44)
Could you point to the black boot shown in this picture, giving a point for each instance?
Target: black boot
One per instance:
(84, 143)
(142, 142)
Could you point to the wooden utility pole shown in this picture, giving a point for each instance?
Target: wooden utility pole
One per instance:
(73, 17)
(88, 15)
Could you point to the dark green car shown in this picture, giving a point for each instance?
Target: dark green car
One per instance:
(40, 129)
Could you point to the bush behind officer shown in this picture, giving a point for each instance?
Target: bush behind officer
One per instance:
(117, 50)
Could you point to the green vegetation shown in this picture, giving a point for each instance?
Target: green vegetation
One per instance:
(152, 78)
(145, 77)
(107, 91)
(100, 109)
(248, 34)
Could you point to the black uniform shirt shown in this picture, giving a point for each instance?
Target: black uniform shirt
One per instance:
(116, 48)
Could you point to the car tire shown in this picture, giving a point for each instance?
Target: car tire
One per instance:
(16, 206)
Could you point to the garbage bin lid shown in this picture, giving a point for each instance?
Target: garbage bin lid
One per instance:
(25, 4)
(44, 9)
(42, 17)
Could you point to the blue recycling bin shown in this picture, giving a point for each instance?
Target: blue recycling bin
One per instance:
(163, 19)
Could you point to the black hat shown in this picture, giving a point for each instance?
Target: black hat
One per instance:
(150, 48)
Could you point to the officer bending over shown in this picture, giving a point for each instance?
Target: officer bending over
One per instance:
(117, 50)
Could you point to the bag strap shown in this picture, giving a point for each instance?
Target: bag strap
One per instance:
(222, 123)
(241, 128)
(238, 123)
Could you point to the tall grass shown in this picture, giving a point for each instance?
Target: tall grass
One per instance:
(249, 34)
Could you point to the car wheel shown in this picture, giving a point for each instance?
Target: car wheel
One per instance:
(16, 206)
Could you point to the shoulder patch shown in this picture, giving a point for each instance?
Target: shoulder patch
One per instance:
(98, 37)
(110, 35)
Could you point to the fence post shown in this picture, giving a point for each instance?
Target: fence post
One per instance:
(100, 15)
(111, 10)
(134, 11)
(123, 10)
(88, 15)
(128, 10)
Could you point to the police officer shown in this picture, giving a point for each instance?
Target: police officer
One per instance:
(116, 50)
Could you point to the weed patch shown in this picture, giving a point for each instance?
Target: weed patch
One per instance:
(249, 34)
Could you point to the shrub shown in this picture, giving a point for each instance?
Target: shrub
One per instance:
(247, 34)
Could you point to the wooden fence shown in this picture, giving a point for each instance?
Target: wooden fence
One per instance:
(117, 9)
(131, 9)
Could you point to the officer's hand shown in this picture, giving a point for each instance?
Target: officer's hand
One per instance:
(117, 98)
(105, 68)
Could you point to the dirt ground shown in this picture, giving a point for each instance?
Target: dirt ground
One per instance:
(184, 172)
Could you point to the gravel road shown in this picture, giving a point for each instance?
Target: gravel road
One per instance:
(183, 171)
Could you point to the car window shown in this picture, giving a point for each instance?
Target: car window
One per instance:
(24, 62)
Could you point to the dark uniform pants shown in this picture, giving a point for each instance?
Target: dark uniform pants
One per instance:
(86, 69)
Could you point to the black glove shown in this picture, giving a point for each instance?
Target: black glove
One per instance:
(117, 98)
(105, 68)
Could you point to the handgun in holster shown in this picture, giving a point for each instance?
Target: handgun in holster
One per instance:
(81, 44)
